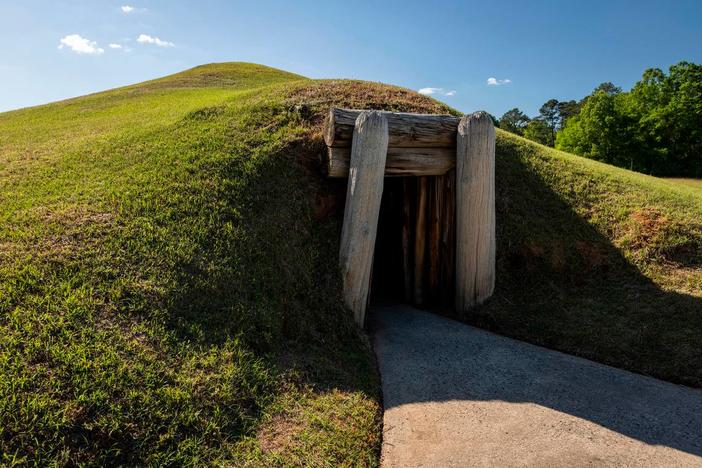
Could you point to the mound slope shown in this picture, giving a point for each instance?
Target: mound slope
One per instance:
(168, 283)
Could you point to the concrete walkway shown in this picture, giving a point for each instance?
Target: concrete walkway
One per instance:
(455, 395)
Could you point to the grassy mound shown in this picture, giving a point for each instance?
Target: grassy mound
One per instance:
(597, 261)
(168, 293)
(168, 282)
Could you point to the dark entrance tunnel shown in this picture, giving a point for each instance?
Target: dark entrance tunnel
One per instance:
(414, 259)
(387, 281)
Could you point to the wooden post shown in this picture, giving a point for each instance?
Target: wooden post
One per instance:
(475, 210)
(420, 235)
(406, 236)
(448, 244)
(364, 191)
(434, 248)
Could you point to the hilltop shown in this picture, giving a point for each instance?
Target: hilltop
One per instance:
(168, 272)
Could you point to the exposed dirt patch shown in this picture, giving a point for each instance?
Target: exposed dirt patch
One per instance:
(279, 433)
(647, 226)
(325, 205)
(73, 215)
(71, 230)
(663, 239)
(592, 255)
(576, 259)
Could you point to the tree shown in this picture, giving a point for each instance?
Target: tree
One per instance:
(607, 88)
(549, 113)
(566, 110)
(602, 131)
(680, 128)
(514, 121)
(554, 114)
(540, 131)
(669, 109)
(655, 128)
(495, 120)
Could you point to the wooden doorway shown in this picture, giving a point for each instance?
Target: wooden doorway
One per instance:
(447, 231)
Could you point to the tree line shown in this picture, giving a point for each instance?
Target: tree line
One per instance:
(654, 128)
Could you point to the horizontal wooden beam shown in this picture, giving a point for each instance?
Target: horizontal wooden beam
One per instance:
(399, 162)
(405, 130)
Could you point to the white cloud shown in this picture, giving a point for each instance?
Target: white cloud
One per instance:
(80, 45)
(428, 91)
(439, 91)
(127, 9)
(146, 39)
(115, 46)
(495, 82)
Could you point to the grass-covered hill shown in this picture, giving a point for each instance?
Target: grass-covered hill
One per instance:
(168, 282)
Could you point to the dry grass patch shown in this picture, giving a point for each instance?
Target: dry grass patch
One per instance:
(319, 427)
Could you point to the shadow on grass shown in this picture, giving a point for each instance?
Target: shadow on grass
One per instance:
(265, 270)
(563, 285)
(267, 273)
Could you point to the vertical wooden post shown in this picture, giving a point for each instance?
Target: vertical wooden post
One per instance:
(448, 243)
(475, 210)
(406, 236)
(434, 249)
(364, 191)
(420, 236)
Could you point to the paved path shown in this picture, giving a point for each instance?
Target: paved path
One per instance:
(458, 396)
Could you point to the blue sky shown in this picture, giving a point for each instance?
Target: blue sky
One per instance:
(533, 50)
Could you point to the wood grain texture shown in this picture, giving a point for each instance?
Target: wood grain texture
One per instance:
(407, 195)
(436, 201)
(363, 196)
(400, 161)
(420, 236)
(448, 235)
(405, 130)
(475, 210)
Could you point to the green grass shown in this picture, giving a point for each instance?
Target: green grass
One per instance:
(169, 292)
(695, 183)
(597, 261)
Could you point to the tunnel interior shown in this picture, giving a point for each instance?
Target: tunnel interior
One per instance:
(413, 260)
(387, 281)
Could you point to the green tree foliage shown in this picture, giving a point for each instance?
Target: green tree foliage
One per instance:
(540, 131)
(601, 131)
(655, 128)
(552, 117)
(549, 113)
(670, 110)
(607, 88)
(566, 110)
(495, 120)
(514, 121)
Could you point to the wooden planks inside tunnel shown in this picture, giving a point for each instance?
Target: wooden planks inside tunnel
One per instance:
(415, 244)
(419, 217)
